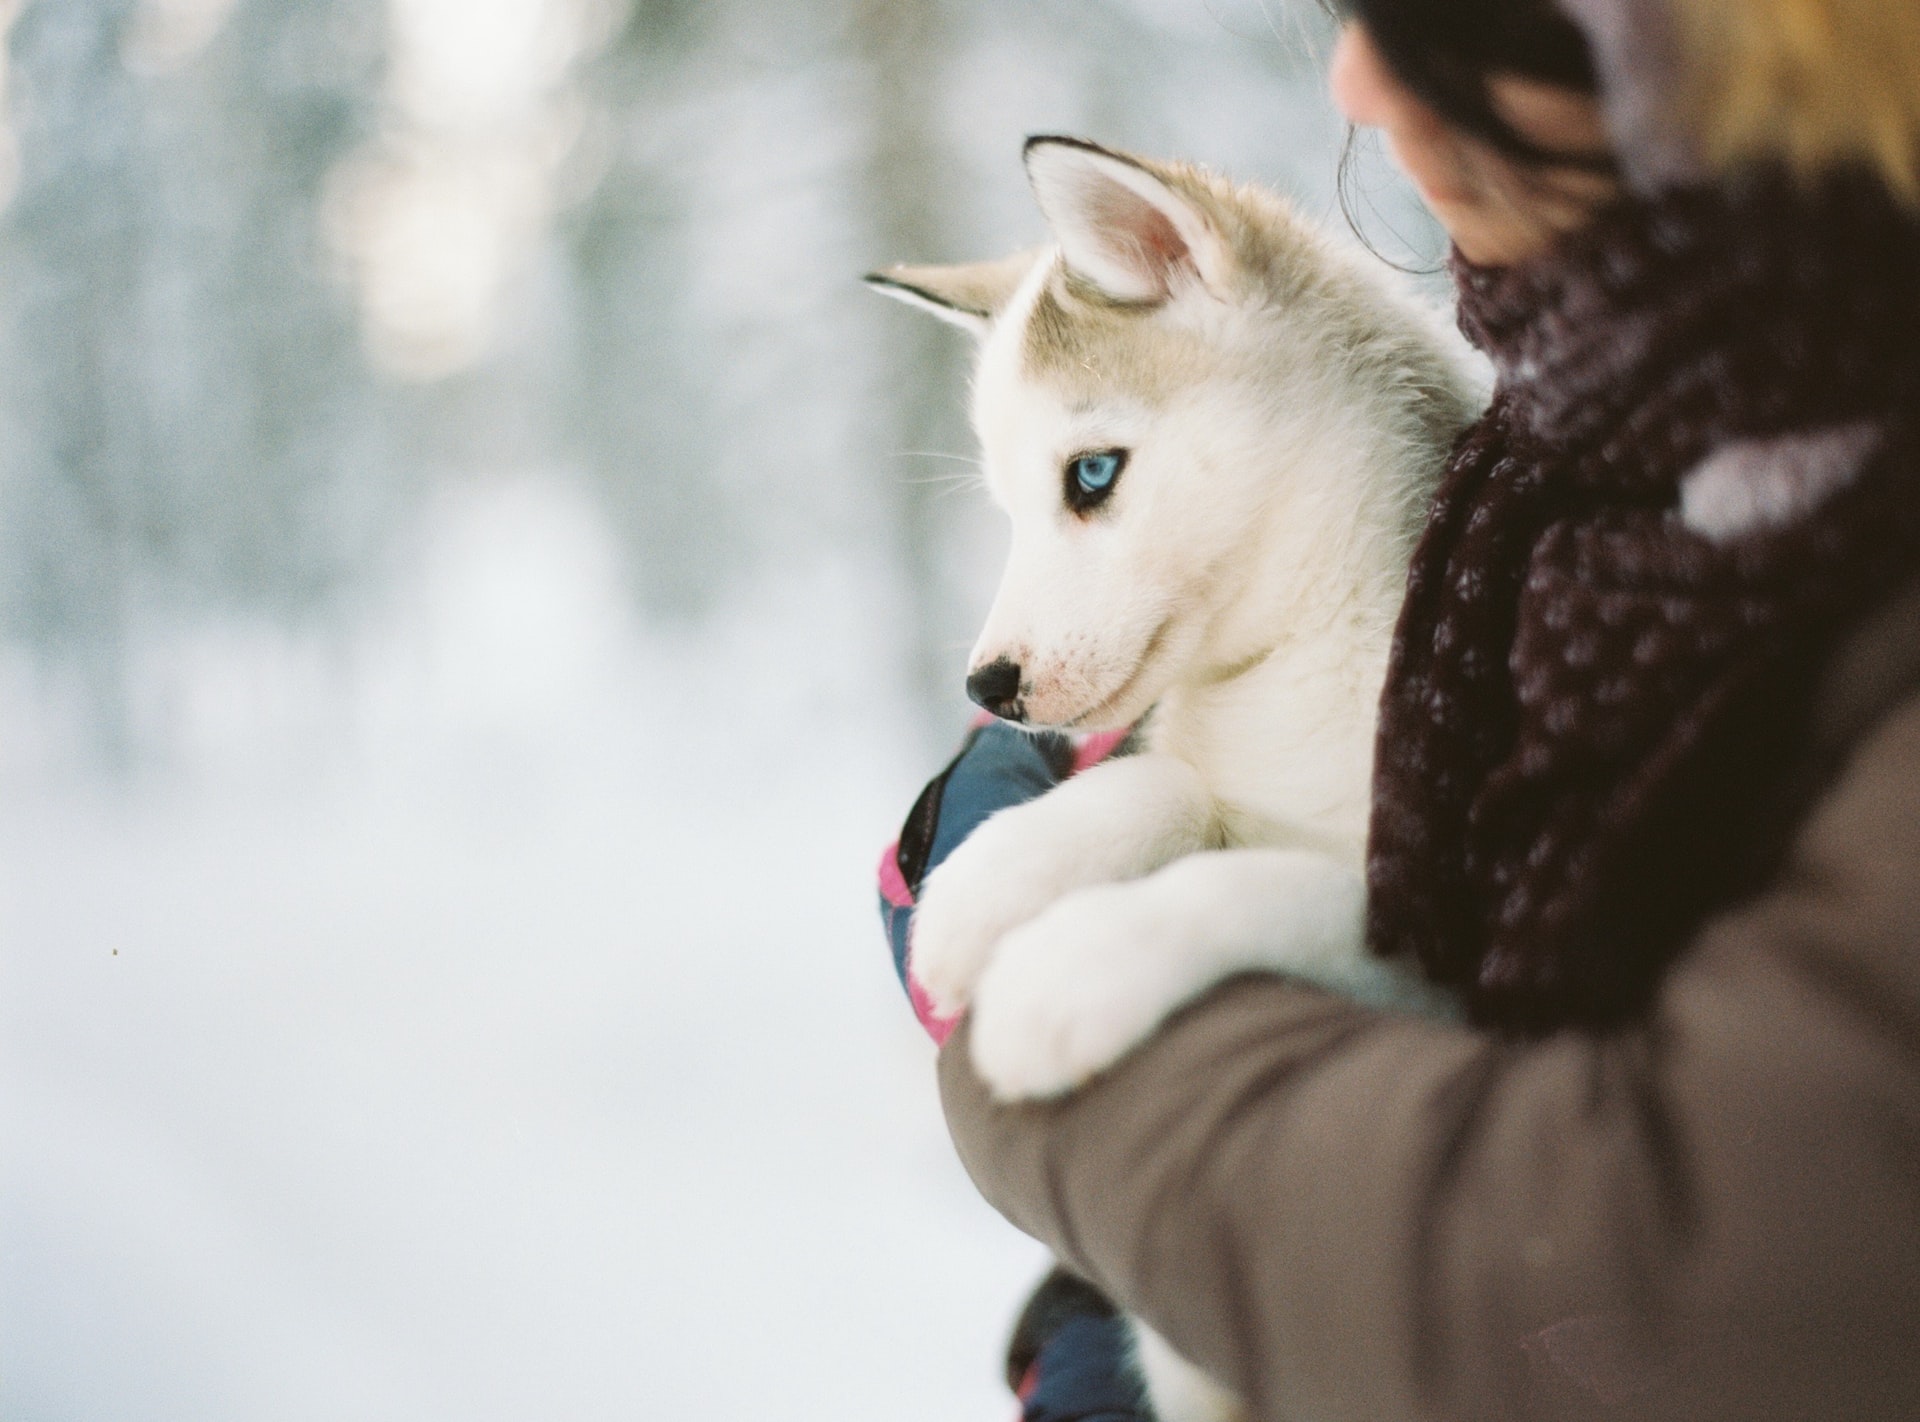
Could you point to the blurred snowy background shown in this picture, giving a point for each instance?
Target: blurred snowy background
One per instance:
(479, 582)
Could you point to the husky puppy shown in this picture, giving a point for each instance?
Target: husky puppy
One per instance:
(1215, 434)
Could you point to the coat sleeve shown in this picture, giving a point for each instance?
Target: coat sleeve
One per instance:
(1714, 1214)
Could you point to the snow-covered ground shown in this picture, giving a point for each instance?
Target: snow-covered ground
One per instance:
(482, 1015)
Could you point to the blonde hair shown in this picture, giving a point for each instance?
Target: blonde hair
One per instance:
(1815, 84)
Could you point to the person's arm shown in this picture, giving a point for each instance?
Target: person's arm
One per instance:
(1716, 1214)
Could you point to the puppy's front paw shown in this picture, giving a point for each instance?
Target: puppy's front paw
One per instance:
(1072, 991)
(986, 886)
(953, 936)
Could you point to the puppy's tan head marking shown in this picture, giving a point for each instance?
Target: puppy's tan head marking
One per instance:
(1090, 346)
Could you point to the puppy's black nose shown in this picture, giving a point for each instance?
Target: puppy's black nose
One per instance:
(996, 686)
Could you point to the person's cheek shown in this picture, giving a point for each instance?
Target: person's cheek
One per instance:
(1430, 155)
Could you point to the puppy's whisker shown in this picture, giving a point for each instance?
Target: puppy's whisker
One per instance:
(947, 486)
(972, 459)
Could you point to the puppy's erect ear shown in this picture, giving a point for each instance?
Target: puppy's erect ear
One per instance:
(970, 295)
(1121, 225)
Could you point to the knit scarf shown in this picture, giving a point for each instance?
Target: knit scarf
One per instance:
(1592, 704)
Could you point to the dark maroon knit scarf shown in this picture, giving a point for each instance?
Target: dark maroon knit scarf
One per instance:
(1590, 709)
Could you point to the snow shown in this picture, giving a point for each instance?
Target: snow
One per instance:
(485, 1016)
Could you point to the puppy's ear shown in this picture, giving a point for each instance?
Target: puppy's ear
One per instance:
(970, 296)
(1123, 226)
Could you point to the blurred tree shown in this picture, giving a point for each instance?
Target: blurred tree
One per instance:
(190, 422)
(904, 47)
(635, 383)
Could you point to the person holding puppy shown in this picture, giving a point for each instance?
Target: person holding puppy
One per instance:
(1644, 790)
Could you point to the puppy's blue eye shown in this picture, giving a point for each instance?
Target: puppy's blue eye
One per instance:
(1091, 477)
(1094, 472)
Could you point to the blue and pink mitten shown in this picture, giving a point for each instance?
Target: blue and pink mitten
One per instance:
(1068, 1358)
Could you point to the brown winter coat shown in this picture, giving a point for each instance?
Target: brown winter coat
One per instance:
(1713, 1212)
(1704, 1201)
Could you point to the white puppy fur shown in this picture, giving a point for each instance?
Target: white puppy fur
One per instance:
(1276, 411)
